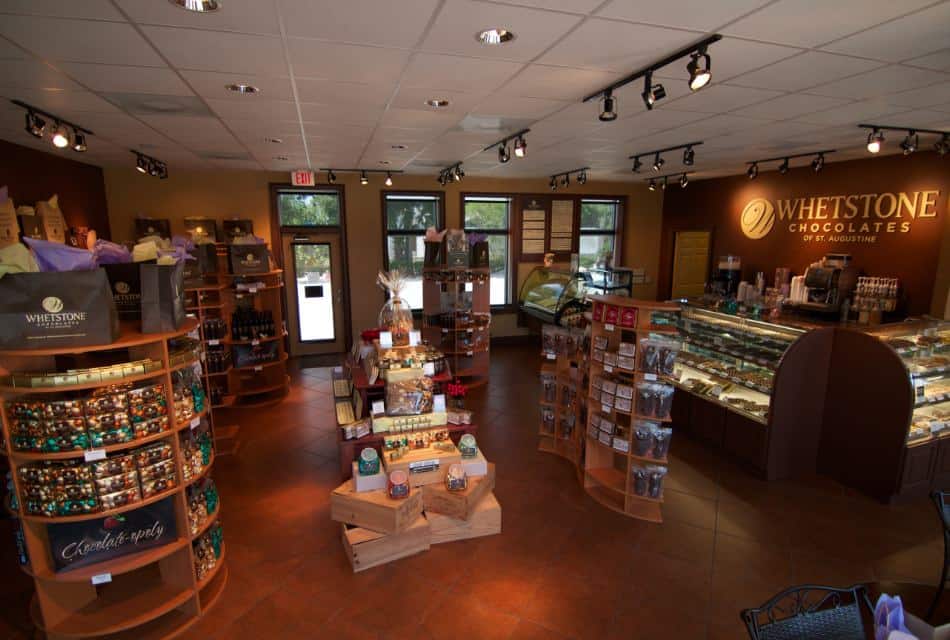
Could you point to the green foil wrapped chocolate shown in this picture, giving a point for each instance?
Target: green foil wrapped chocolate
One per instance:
(368, 464)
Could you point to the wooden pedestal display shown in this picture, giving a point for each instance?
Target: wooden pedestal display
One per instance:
(458, 504)
(484, 520)
(366, 549)
(374, 510)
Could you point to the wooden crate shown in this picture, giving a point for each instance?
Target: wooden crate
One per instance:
(477, 466)
(420, 457)
(485, 521)
(458, 504)
(374, 510)
(366, 549)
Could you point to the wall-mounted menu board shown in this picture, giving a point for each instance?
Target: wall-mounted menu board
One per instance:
(533, 223)
(562, 226)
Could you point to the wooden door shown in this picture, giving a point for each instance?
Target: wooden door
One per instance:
(315, 278)
(690, 263)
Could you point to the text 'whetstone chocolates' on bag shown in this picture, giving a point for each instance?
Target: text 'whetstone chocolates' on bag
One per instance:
(52, 310)
(126, 284)
(249, 258)
(163, 297)
(78, 544)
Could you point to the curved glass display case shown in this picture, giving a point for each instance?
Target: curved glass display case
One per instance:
(731, 359)
(554, 295)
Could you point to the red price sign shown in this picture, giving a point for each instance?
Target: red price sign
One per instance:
(302, 178)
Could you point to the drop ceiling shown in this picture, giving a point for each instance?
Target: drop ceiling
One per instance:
(343, 84)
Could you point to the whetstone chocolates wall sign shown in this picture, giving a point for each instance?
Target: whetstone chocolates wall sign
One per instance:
(78, 544)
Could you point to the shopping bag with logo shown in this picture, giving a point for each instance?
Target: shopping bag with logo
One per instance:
(163, 297)
(126, 286)
(54, 225)
(54, 310)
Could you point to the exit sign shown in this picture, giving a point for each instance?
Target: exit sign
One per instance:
(302, 178)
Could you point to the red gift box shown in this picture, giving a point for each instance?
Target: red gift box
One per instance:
(611, 315)
(628, 318)
(598, 311)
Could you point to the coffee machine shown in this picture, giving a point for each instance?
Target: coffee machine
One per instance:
(728, 275)
(829, 282)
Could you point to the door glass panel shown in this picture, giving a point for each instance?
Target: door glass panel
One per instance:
(407, 254)
(315, 288)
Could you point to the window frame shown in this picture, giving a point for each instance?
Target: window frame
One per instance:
(617, 232)
(384, 194)
(510, 277)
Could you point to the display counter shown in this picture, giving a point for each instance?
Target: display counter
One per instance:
(554, 295)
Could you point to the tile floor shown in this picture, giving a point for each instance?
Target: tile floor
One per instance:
(563, 567)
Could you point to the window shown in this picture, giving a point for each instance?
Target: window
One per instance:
(491, 215)
(598, 233)
(308, 208)
(407, 217)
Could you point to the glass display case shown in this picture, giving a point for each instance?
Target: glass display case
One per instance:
(924, 348)
(610, 281)
(554, 295)
(731, 359)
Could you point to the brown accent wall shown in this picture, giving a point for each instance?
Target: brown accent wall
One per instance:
(222, 194)
(913, 256)
(34, 175)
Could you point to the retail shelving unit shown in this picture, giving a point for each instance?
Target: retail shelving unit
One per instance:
(563, 404)
(152, 593)
(457, 318)
(609, 455)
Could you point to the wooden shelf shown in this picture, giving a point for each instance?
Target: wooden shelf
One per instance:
(210, 287)
(82, 387)
(129, 336)
(212, 518)
(256, 290)
(217, 567)
(30, 456)
(226, 404)
(183, 365)
(122, 564)
(609, 478)
(268, 389)
(211, 592)
(608, 498)
(204, 472)
(219, 373)
(251, 342)
(274, 272)
(272, 363)
(105, 513)
(266, 402)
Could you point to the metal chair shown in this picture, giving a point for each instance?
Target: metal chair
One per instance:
(810, 611)
(943, 510)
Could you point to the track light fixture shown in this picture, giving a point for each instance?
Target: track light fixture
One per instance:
(150, 166)
(652, 185)
(454, 173)
(817, 163)
(637, 165)
(663, 181)
(521, 146)
(364, 174)
(331, 177)
(658, 162)
(699, 69)
(60, 134)
(911, 141)
(608, 107)
(389, 179)
(364, 180)
(564, 179)
(684, 180)
(689, 156)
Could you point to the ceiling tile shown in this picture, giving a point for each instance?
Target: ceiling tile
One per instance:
(245, 16)
(791, 106)
(391, 24)
(123, 79)
(365, 115)
(615, 46)
(60, 102)
(912, 36)
(659, 120)
(927, 97)
(460, 103)
(350, 63)
(10, 51)
(502, 104)
(809, 23)
(80, 40)
(939, 61)
(853, 114)
(559, 83)
(209, 84)
(125, 130)
(883, 81)
(327, 91)
(255, 128)
(925, 118)
(325, 129)
(459, 20)
(418, 119)
(719, 98)
(254, 107)
(568, 6)
(33, 74)
(805, 70)
(700, 15)
(89, 9)
(457, 72)
(219, 51)
(193, 132)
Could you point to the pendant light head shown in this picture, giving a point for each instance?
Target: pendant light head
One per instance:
(60, 137)
(389, 179)
(637, 165)
(663, 184)
(658, 162)
(651, 92)
(141, 164)
(331, 177)
(566, 180)
(553, 183)
(652, 185)
(699, 69)
(34, 125)
(783, 168)
(818, 163)
(910, 143)
(79, 142)
(503, 154)
(582, 177)
(875, 140)
(608, 107)
(684, 180)
(363, 179)
(753, 171)
(162, 170)
(942, 146)
(458, 174)
(689, 156)
(521, 147)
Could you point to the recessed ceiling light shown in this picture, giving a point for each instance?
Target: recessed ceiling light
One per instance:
(384, 162)
(495, 36)
(246, 89)
(199, 6)
(398, 147)
(274, 140)
(437, 103)
(281, 158)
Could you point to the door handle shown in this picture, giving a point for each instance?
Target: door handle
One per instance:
(301, 238)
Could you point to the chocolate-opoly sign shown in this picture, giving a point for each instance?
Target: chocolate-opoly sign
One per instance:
(77, 544)
(855, 218)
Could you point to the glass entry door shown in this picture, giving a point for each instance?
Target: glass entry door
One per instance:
(316, 282)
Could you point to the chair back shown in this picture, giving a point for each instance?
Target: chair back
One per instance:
(810, 611)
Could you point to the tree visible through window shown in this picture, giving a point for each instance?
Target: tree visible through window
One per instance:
(598, 233)
(308, 209)
(407, 218)
(491, 216)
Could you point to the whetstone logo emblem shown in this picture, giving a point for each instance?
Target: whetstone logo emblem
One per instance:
(52, 304)
(55, 318)
(757, 219)
(122, 287)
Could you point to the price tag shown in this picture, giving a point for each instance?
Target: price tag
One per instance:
(428, 369)
(438, 403)
(445, 329)
(470, 330)
(469, 354)
(258, 368)
(95, 454)
(386, 339)
(101, 578)
(379, 407)
(214, 343)
(195, 422)
(649, 376)
(608, 368)
(605, 408)
(255, 342)
(608, 327)
(252, 290)
(415, 338)
(337, 369)
(551, 356)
